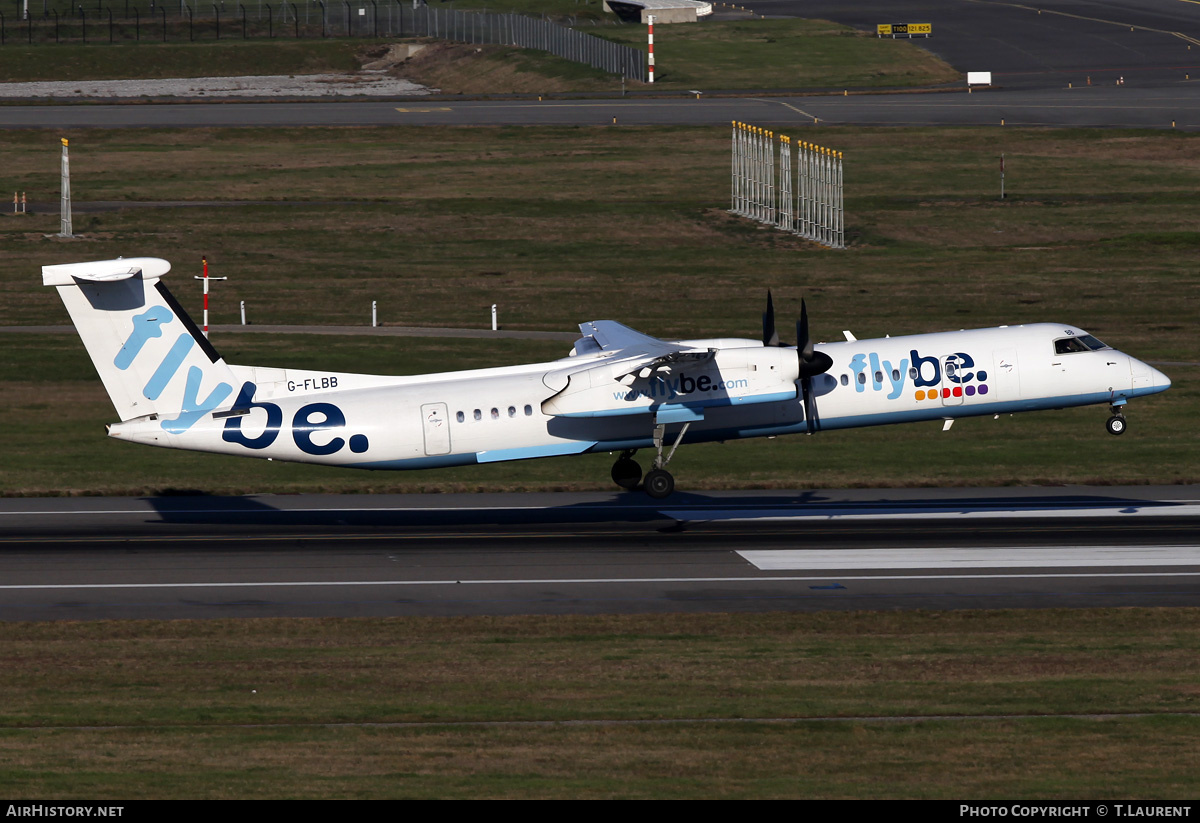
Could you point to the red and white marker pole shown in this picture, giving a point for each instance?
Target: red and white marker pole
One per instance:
(650, 20)
(206, 278)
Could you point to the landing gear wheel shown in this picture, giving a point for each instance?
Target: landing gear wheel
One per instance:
(659, 483)
(1116, 424)
(626, 473)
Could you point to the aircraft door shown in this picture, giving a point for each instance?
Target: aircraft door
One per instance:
(1005, 375)
(952, 390)
(436, 422)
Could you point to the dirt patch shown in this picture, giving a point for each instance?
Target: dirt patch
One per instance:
(389, 56)
(457, 68)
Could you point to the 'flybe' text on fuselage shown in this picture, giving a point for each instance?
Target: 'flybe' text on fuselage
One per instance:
(925, 372)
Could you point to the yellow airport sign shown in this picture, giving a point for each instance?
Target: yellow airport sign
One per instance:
(903, 29)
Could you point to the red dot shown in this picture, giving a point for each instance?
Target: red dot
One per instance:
(958, 391)
(945, 392)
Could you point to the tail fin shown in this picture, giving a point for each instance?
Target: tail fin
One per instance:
(150, 355)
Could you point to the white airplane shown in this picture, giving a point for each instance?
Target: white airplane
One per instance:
(617, 390)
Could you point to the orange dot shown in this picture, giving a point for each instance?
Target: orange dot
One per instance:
(920, 394)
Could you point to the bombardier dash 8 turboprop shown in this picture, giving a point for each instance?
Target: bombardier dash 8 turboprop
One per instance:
(617, 390)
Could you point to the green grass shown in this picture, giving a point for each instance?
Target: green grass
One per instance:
(782, 54)
(314, 708)
(710, 55)
(562, 225)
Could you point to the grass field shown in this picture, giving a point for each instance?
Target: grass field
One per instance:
(664, 706)
(562, 225)
(749, 54)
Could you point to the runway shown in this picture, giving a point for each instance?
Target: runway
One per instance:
(1174, 105)
(440, 555)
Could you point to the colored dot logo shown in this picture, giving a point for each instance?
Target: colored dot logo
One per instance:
(957, 391)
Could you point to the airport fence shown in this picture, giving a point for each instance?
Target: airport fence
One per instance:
(804, 197)
(196, 21)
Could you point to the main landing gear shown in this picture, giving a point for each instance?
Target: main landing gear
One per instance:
(626, 473)
(658, 482)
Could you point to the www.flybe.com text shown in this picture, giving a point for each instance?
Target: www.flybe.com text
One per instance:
(681, 385)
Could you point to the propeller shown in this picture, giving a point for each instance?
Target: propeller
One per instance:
(811, 361)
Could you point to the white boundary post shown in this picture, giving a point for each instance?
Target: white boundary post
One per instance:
(65, 200)
(784, 220)
(841, 206)
(733, 169)
(769, 176)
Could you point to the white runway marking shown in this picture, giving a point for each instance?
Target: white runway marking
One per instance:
(920, 511)
(1034, 557)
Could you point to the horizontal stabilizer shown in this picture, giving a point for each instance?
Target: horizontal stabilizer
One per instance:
(102, 271)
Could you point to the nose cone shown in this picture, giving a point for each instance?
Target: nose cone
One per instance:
(1147, 379)
(1159, 380)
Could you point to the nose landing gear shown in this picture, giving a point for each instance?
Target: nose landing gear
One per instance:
(1116, 424)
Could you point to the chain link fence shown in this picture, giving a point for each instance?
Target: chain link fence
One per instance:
(182, 21)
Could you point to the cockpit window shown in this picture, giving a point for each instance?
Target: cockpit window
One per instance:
(1067, 345)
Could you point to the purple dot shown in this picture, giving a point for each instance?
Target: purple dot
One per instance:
(970, 391)
(983, 389)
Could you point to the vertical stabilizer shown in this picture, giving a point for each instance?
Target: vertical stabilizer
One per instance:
(148, 352)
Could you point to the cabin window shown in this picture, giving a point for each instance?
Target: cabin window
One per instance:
(950, 368)
(878, 377)
(912, 372)
(895, 375)
(845, 380)
(461, 417)
(478, 414)
(512, 411)
(862, 378)
(528, 410)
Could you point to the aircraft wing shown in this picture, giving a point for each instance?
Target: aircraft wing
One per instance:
(611, 336)
(640, 354)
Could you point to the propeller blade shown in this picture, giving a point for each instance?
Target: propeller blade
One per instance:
(812, 362)
(803, 342)
(811, 420)
(770, 335)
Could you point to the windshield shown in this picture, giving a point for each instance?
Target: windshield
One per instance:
(1066, 345)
